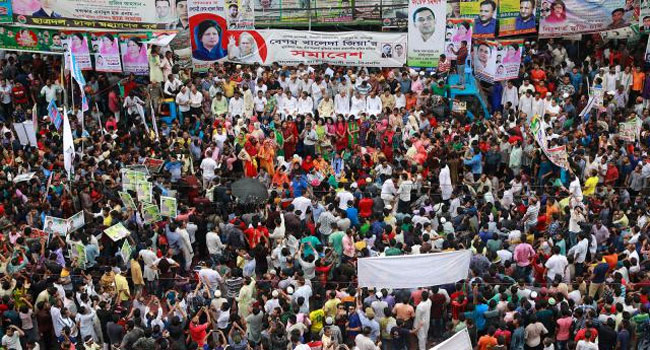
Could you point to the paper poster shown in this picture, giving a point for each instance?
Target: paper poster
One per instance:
(127, 200)
(76, 221)
(126, 251)
(168, 206)
(117, 232)
(558, 18)
(144, 191)
(6, 13)
(458, 30)
(130, 178)
(240, 14)
(80, 254)
(484, 14)
(77, 43)
(644, 17)
(497, 60)
(627, 131)
(208, 30)
(23, 177)
(134, 53)
(426, 32)
(55, 225)
(151, 214)
(153, 165)
(106, 49)
(517, 17)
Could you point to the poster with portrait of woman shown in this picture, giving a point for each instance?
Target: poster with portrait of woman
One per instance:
(560, 17)
(77, 43)
(134, 53)
(106, 49)
(207, 32)
(497, 60)
(458, 30)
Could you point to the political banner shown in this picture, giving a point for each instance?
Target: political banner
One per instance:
(6, 13)
(168, 206)
(181, 42)
(458, 30)
(517, 17)
(153, 165)
(292, 47)
(628, 131)
(559, 18)
(497, 60)
(127, 200)
(150, 214)
(453, 9)
(334, 11)
(644, 16)
(117, 232)
(31, 39)
(144, 191)
(76, 221)
(240, 14)
(98, 14)
(77, 44)
(126, 251)
(367, 10)
(134, 53)
(557, 155)
(55, 225)
(106, 49)
(394, 14)
(267, 11)
(426, 32)
(484, 13)
(79, 252)
(208, 30)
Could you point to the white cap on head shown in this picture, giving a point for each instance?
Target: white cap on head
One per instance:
(275, 293)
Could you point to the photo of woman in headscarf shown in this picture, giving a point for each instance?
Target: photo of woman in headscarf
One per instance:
(246, 52)
(207, 36)
(108, 45)
(136, 53)
(78, 43)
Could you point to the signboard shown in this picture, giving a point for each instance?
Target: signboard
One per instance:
(106, 50)
(134, 53)
(100, 14)
(627, 131)
(76, 221)
(150, 214)
(517, 17)
(558, 18)
(208, 31)
(458, 30)
(117, 232)
(127, 200)
(497, 60)
(6, 14)
(484, 14)
(240, 14)
(367, 10)
(644, 16)
(426, 32)
(144, 191)
(291, 47)
(168, 206)
(55, 225)
(394, 14)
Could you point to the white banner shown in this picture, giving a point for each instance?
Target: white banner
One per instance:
(497, 60)
(292, 47)
(458, 341)
(413, 271)
(426, 32)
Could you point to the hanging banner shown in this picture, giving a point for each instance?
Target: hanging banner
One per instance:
(292, 47)
(644, 16)
(181, 42)
(484, 13)
(77, 43)
(497, 60)
(517, 17)
(426, 32)
(208, 29)
(558, 18)
(31, 39)
(134, 53)
(6, 14)
(240, 15)
(458, 30)
(106, 14)
(453, 9)
(394, 14)
(367, 10)
(106, 50)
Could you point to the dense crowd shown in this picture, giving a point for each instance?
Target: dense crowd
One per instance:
(357, 163)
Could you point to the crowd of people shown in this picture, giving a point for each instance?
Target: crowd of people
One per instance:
(358, 163)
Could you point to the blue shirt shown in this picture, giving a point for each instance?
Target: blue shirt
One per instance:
(353, 215)
(174, 169)
(480, 28)
(520, 24)
(475, 164)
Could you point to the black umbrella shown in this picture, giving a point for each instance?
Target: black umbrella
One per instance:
(249, 190)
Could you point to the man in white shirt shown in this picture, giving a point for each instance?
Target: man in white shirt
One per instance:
(400, 99)
(526, 86)
(259, 102)
(342, 103)
(526, 104)
(183, 101)
(305, 104)
(404, 192)
(343, 197)
(510, 94)
(357, 104)
(50, 91)
(288, 105)
(556, 264)
(309, 138)
(236, 105)
(295, 86)
(172, 86)
(207, 167)
(388, 190)
(373, 104)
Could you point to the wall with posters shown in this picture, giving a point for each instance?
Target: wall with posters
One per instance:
(497, 60)
(108, 14)
(426, 32)
(517, 17)
(558, 18)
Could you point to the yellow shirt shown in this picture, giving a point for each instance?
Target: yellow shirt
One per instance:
(136, 273)
(590, 186)
(330, 307)
(317, 317)
(229, 88)
(122, 287)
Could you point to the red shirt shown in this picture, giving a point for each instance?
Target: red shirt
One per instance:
(365, 207)
(20, 94)
(198, 333)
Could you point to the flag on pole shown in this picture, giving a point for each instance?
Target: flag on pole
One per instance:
(84, 102)
(54, 114)
(75, 70)
(68, 144)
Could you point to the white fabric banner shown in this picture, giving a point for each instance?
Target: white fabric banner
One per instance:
(413, 271)
(459, 341)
